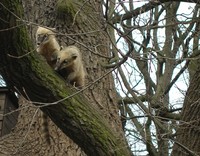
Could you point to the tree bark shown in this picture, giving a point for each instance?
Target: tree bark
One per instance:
(25, 70)
(187, 137)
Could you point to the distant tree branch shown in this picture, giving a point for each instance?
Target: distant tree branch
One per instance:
(152, 4)
(131, 100)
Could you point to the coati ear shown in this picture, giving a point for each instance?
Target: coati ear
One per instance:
(74, 56)
(57, 64)
(61, 48)
(54, 56)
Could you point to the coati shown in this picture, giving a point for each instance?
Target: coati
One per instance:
(70, 66)
(47, 45)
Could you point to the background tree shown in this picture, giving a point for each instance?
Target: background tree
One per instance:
(187, 139)
(164, 41)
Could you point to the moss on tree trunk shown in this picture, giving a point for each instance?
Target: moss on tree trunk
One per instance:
(22, 68)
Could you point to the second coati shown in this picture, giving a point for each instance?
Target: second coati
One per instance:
(47, 45)
(70, 66)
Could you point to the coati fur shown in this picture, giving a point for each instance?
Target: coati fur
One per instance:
(47, 45)
(70, 66)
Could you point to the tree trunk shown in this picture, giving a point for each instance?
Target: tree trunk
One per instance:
(188, 139)
(91, 122)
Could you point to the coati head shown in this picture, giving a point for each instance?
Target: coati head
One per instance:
(43, 35)
(66, 57)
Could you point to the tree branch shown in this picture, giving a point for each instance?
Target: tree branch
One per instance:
(151, 5)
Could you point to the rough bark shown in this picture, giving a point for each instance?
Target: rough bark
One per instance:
(27, 137)
(188, 139)
(78, 118)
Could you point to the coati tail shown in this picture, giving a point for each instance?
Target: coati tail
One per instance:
(45, 128)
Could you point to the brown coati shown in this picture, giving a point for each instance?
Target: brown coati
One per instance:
(47, 45)
(70, 66)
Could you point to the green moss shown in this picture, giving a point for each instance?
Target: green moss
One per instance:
(66, 7)
(71, 10)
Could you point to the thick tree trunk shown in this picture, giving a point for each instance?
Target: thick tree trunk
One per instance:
(28, 136)
(188, 139)
(25, 70)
